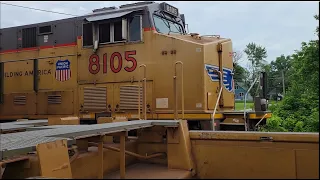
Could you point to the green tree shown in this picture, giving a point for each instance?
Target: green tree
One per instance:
(317, 18)
(281, 65)
(256, 55)
(299, 110)
(240, 73)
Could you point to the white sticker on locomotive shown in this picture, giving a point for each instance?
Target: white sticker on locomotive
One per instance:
(199, 105)
(45, 38)
(162, 103)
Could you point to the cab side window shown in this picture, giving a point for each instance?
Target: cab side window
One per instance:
(113, 31)
(87, 34)
(118, 31)
(104, 33)
(135, 28)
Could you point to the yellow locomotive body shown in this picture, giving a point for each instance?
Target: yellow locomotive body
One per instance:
(102, 79)
(135, 62)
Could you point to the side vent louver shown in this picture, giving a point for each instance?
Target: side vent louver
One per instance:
(95, 98)
(19, 100)
(129, 97)
(54, 99)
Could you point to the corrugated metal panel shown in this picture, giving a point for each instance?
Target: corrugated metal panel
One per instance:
(14, 144)
(54, 99)
(107, 16)
(19, 100)
(129, 97)
(95, 98)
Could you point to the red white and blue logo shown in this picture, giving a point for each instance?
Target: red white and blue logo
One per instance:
(63, 71)
(227, 76)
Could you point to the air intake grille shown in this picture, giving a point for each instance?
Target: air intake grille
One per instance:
(95, 98)
(129, 97)
(29, 37)
(54, 99)
(19, 100)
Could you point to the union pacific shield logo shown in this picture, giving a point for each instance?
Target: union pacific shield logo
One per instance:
(63, 71)
(227, 76)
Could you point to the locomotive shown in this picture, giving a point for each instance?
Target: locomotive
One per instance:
(136, 61)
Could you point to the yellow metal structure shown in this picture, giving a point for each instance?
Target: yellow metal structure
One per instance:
(161, 56)
(160, 69)
(164, 76)
(174, 152)
(50, 165)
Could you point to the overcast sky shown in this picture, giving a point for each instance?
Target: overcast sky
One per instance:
(278, 26)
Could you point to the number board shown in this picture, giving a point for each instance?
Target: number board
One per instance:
(169, 9)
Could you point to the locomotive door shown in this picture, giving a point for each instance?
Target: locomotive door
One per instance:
(45, 73)
(55, 95)
(61, 98)
(18, 98)
(226, 64)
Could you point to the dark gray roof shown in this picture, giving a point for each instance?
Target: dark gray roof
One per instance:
(107, 16)
(125, 8)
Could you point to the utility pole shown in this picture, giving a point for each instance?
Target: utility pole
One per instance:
(283, 87)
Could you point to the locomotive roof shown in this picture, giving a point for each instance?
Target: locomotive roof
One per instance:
(108, 11)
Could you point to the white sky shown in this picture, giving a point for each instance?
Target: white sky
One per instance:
(278, 26)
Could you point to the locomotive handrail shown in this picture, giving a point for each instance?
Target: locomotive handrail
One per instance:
(245, 104)
(217, 36)
(175, 91)
(218, 99)
(144, 92)
(261, 119)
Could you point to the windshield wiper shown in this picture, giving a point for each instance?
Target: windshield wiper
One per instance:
(175, 24)
(163, 18)
(167, 22)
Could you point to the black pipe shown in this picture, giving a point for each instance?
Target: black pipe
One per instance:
(35, 75)
(1, 82)
(264, 84)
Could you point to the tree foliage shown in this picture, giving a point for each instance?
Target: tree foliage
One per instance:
(274, 70)
(256, 55)
(299, 110)
(240, 73)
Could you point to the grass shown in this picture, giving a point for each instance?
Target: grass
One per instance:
(239, 105)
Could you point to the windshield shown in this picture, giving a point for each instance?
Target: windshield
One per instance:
(165, 26)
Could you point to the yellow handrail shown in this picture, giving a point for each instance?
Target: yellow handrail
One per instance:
(175, 91)
(144, 92)
(221, 87)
